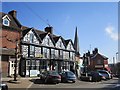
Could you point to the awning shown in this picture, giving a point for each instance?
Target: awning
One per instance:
(6, 51)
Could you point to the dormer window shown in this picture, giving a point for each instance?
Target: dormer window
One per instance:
(6, 20)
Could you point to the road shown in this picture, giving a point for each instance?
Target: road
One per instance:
(109, 84)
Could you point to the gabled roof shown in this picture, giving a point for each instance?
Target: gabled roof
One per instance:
(67, 42)
(93, 56)
(43, 35)
(24, 32)
(51, 36)
(56, 38)
(14, 23)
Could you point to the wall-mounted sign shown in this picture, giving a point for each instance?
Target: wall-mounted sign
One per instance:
(33, 73)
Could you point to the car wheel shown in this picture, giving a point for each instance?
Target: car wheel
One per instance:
(90, 78)
(73, 81)
(57, 82)
(45, 81)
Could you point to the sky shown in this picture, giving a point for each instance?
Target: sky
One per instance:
(96, 22)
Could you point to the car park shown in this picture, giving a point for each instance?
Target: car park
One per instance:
(67, 76)
(50, 77)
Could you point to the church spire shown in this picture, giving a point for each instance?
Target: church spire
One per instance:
(76, 43)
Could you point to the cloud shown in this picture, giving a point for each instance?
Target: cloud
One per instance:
(110, 31)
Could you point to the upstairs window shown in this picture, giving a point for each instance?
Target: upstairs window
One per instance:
(60, 44)
(48, 41)
(31, 38)
(6, 22)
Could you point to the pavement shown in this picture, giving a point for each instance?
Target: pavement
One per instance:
(22, 82)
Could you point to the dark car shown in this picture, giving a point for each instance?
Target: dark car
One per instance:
(105, 73)
(50, 77)
(3, 86)
(96, 76)
(93, 76)
(67, 76)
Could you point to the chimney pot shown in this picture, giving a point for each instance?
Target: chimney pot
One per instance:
(49, 30)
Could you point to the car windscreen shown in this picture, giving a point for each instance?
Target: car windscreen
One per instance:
(103, 72)
(70, 73)
(53, 73)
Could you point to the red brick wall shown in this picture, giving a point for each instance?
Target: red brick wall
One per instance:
(12, 35)
(105, 61)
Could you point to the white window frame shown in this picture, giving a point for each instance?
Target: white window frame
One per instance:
(7, 22)
(6, 18)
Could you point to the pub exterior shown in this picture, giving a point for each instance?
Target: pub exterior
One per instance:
(42, 50)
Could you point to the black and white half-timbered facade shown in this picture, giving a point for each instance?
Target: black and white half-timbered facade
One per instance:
(45, 51)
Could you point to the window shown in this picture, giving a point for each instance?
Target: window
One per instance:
(52, 53)
(48, 41)
(32, 51)
(56, 54)
(61, 54)
(31, 38)
(28, 63)
(38, 52)
(6, 22)
(60, 44)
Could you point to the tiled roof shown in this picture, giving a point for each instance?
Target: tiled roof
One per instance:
(14, 23)
(67, 42)
(24, 32)
(94, 55)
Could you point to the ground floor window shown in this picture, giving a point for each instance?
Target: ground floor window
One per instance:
(43, 65)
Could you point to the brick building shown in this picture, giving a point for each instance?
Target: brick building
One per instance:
(10, 33)
(95, 61)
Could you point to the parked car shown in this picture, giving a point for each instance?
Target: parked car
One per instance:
(105, 73)
(96, 76)
(93, 76)
(3, 86)
(50, 77)
(67, 76)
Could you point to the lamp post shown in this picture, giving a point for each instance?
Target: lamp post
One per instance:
(116, 56)
(16, 55)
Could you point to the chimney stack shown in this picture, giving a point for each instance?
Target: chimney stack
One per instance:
(95, 51)
(13, 13)
(49, 30)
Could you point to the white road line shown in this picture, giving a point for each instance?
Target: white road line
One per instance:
(29, 86)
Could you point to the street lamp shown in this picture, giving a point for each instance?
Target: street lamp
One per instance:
(16, 55)
(116, 56)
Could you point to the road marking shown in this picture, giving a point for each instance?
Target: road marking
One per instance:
(29, 86)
